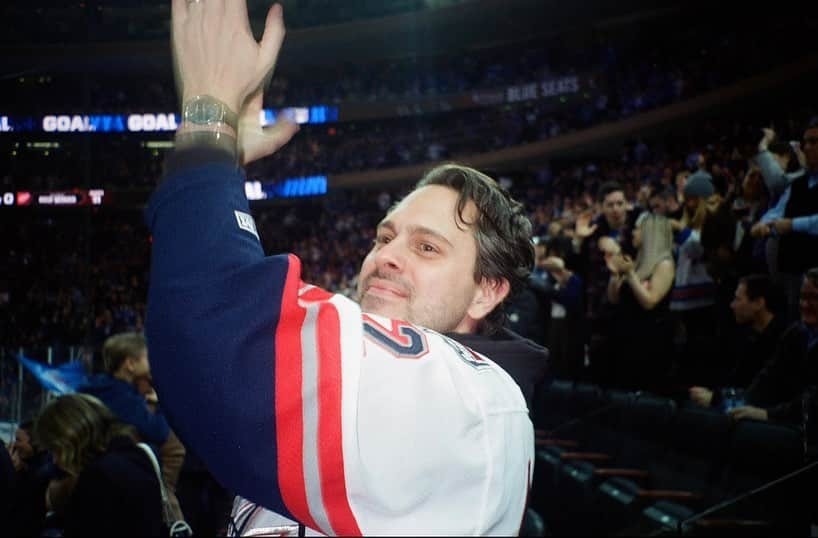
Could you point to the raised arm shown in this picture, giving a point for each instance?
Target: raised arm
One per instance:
(216, 303)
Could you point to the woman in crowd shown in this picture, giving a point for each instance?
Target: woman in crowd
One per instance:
(640, 291)
(694, 293)
(116, 490)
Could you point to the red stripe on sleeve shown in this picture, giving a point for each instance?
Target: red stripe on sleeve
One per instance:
(330, 450)
(288, 401)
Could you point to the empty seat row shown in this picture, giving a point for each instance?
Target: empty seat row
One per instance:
(610, 460)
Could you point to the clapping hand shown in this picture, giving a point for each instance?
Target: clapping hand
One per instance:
(553, 264)
(620, 264)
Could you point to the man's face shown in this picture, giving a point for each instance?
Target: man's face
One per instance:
(613, 207)
(744, 309)
(421, 267)
(810, 148)
(140, 366)
(809, 304)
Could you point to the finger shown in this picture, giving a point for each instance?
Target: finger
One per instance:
(274, 32)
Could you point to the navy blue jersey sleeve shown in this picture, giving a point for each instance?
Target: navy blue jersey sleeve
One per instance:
(213, 308)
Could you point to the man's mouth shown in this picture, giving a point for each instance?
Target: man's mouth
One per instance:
(384, 288)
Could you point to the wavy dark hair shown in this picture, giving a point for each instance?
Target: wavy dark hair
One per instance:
(502, 230)
(76, 429)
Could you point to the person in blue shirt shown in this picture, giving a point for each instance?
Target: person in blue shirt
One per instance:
(125, 357)
(773, 160)
(794, 219)
(125, 360)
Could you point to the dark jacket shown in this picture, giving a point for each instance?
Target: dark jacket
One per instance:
(116, 495)
(798, 252)
(525, 361)
(129, 406)
(529, 313)
(780, 386)
(752, 351)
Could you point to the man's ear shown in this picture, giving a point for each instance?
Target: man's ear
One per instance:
(130, 364)
(490, 293)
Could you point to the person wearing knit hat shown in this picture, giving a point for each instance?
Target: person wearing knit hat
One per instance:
(699, 185)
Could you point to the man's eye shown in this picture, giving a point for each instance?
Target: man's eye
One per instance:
(426, 247)
(382, 239)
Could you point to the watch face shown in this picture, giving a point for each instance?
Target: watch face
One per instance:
(204, 111)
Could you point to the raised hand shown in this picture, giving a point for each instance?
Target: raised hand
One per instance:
(583, 228)
(623, 264)
(216, 53)
(769, 136)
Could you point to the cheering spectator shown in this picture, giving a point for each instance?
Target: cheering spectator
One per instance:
(641, 292)
(694, 292)
(773, 159)
(795, 219)
(594, 241)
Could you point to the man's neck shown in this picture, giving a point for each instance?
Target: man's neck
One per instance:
(762, 321)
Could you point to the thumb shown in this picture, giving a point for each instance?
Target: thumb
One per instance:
(267, 141)
(279, 134)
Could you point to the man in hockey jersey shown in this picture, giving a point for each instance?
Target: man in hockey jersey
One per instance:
(348, 419)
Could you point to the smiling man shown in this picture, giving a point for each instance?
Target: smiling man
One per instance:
(415, 269)
(349, 419)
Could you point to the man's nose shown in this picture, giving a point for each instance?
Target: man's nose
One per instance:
(391, 256)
